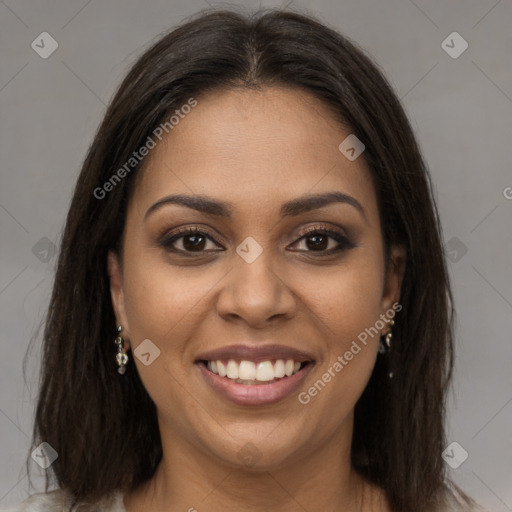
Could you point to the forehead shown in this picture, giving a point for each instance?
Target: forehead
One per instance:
(255, 147)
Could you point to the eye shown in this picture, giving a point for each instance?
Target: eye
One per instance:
(324, 240)
(191, 239)
(195, 240)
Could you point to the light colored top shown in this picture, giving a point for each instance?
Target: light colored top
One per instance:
(59, 501)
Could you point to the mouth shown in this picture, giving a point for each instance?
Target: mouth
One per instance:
(251, 373)
(255, 375)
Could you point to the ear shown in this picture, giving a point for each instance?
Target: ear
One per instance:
(395, 275)
(117, 292)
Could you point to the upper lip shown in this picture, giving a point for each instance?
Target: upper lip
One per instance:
(255, 353)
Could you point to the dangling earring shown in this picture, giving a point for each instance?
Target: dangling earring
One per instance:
(121, 356)
(387, 339)
(389, 335)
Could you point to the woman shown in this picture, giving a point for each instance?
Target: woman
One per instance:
(251, 309)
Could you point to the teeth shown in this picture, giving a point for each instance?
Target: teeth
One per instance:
(279, 368)
(264, 371)
(247, 370)
(232, 370)
(220, 368)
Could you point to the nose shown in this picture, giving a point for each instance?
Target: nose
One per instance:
(256, 293)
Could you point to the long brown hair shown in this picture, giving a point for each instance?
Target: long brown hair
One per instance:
(104, 426)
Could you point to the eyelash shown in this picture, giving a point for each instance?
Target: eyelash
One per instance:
(343, 242)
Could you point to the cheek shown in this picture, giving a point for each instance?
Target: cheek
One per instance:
(167, 305)
(162, 305)
(348, 297)
(351, 352)
(158, 297)
(347, 301)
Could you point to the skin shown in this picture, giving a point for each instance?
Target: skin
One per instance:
(255, 150)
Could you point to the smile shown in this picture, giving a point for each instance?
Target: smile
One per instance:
(254, 375)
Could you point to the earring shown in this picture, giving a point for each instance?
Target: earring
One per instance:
(389, 335)
(121, 356)
(387, 340)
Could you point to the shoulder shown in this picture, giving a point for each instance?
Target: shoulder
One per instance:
(455, 503)
(61, 501)
(57, 500)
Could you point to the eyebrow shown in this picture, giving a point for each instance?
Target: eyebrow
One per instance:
(293, 207)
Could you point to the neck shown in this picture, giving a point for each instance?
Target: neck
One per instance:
(188, 479)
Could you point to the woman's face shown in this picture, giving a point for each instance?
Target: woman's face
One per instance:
(251, 288)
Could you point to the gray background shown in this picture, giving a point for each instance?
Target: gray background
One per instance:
(461, 109)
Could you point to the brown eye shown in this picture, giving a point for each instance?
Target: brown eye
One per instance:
(318, 241)
(194, 242)
(325, 241)
(190, 239)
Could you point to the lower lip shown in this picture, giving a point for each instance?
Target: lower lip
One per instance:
(254, 394)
